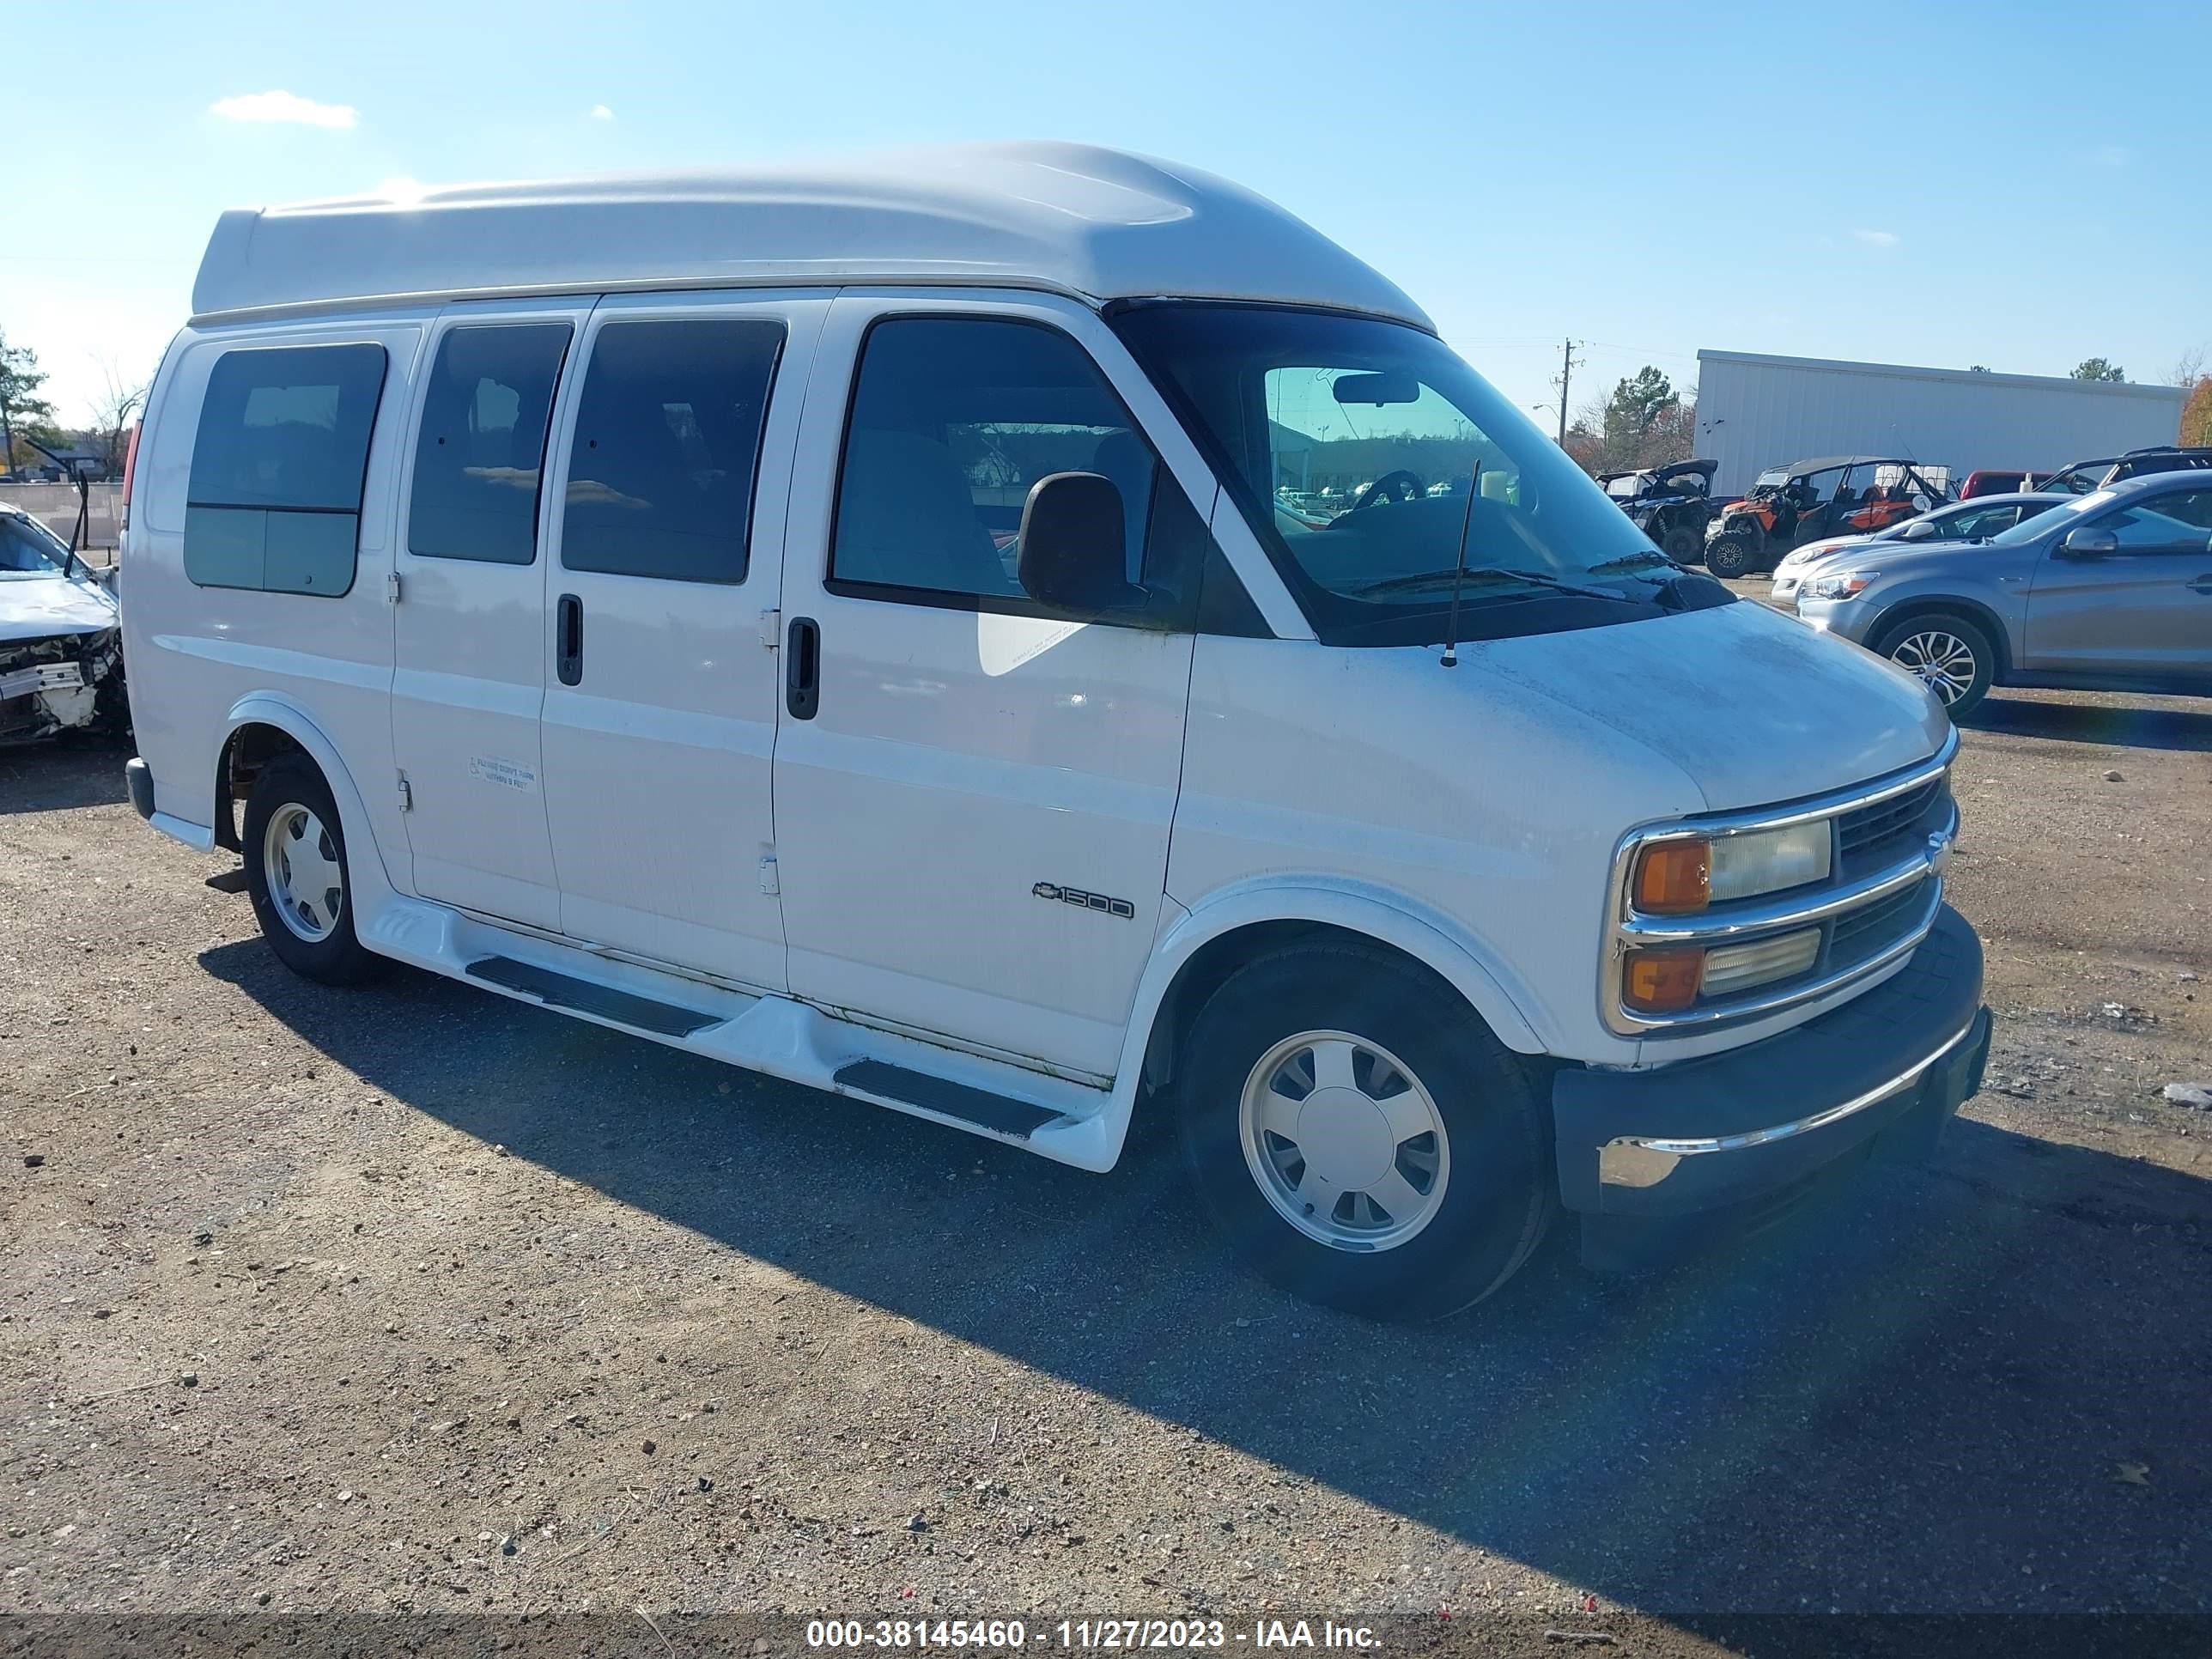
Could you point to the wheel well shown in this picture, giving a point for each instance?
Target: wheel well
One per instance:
(244, 752)
(1212, 962)
(1972, 610)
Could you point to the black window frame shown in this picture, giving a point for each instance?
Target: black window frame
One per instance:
(1180, 617)
(567, 325)
(361, 488)
(621, 320)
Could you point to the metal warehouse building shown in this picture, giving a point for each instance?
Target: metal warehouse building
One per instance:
(1756, 411)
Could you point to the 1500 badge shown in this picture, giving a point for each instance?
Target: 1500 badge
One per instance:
(1083, 900)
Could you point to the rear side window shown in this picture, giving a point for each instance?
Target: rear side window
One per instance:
(274, 501)
(668, 437)
(481, 449)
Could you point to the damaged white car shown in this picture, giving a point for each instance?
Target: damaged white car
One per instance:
(61, 644)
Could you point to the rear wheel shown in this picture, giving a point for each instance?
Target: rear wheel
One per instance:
(296, 873)
(1681, 545)
(1951, 655)
(1729, 557)
(1359, 1135)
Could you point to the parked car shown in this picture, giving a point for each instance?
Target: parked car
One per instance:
(1806, 500)
(61, 663)
(2111, 592)
(625, 628)
(1961, 521)
(1995, 481)
(1670, 504)
(2080, 478)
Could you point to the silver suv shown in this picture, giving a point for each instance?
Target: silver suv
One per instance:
(2109, 593)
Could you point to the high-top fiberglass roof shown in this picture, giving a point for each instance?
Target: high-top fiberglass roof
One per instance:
(1097, 223)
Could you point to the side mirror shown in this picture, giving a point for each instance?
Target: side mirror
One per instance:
(1073, 545)
(1918, 530)
(2087, 543)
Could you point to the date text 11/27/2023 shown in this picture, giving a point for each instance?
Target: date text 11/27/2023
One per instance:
(1086, 1635)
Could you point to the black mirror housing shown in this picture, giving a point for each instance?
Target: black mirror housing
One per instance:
(1073, 541)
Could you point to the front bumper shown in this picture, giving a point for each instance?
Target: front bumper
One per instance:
(1754, 1123)
(1846, 619)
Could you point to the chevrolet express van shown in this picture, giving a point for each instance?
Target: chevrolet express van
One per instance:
(1029, 636)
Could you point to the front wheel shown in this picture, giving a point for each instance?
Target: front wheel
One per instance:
(1952, 656)
(296, 873)
(1683, 545)
(1359, 1136)
(1729, 557)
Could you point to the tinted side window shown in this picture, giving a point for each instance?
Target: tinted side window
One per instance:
(668, 436)
(278, 463)
(2177, 524)
(953, 420)
(481, 452)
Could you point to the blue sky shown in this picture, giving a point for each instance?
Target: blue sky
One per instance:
(2016, 185)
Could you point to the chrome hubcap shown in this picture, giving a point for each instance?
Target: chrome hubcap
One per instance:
(1344, 1140)
(299, 864)
(1944, 662)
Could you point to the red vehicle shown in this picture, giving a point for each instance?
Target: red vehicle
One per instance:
(1995, 481)
(1809, 501)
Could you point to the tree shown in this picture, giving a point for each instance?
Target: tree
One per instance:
(22, 411)
(2188, 368)
(111, 414)
(2197, 414)
(1642, 423)
(1978, 368)
(2096, 368)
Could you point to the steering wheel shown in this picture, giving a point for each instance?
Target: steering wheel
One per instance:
(1399, 486)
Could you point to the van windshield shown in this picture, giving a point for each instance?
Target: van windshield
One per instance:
(1361, 450)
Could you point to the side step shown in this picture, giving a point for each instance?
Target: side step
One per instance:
(1001, 1113)
(558, 990)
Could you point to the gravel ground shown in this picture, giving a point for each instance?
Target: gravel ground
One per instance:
(411, 1299)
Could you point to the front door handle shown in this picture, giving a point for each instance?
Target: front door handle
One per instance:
(2202, 585)
(569, 640)
(802, 668)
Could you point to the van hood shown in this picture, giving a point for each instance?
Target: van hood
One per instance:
(1753, 705)
(40, 607)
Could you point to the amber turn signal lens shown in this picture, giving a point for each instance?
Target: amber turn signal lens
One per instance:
(1674, 877)
(1662, 981)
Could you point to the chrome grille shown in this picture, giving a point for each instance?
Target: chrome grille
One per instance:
(1862, 934)
(1861, 828)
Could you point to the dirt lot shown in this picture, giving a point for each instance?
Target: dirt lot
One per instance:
(412, 1299)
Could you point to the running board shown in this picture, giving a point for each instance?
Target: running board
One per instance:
(558, 990)
(942, 1096)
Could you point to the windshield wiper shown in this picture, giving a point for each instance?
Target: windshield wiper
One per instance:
(1490, 573)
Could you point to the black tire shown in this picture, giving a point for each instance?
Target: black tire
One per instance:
(1907, 644)
(1729, 557)
(288, 781)
(1683, 546)
(1499, 1194)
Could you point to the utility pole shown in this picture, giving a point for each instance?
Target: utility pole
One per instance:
(1567, 373)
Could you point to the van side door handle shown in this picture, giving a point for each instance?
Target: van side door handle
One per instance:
(569, 640)
(2202, 585)
(802, 668)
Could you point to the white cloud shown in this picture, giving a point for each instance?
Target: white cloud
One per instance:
(1878, 238)
(601, 113)
(285, 109)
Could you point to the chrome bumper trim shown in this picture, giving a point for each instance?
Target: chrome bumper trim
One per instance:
(1645, 1161)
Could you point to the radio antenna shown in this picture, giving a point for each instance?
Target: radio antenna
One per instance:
(1459, 570)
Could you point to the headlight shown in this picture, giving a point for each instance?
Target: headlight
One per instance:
(1683, 876)
(1840, 586)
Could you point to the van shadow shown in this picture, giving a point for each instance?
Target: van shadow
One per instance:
(2180, 729)
(64, 772)
(1918, 1400)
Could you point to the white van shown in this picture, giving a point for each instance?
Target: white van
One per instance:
(1027, 636)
